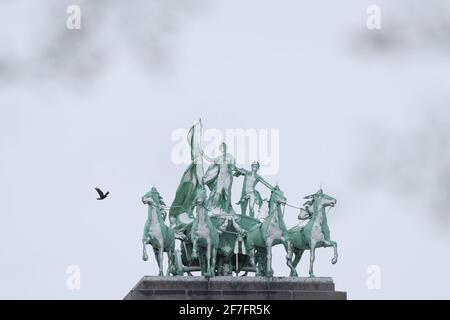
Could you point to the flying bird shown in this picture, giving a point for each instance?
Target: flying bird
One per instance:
(101, 194)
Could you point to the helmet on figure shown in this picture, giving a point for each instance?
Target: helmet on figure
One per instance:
(255, 165)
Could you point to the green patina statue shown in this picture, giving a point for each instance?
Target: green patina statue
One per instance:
(315, 234)
(181, 209)
(250, 196)
(219, 179)
(271, 232)
(156, 233)
(206, 235)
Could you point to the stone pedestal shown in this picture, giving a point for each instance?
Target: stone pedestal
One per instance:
(235, 288)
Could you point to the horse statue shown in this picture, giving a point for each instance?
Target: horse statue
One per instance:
(315, 234)
(270, 232)
(156, 233)
(204, 236)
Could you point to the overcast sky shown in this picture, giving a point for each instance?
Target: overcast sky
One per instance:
(363, 113)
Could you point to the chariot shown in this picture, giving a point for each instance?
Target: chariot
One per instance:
(232, 253)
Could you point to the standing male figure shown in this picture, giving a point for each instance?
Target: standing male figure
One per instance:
(250, 195)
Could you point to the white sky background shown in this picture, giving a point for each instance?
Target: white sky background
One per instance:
(365, 116)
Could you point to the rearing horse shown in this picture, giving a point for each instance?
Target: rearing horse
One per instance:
(156, 233)
(269, 233)
(315, 234)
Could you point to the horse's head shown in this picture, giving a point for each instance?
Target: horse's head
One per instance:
(152, 197)
(321, 199)
(200, 196)
(277, 196)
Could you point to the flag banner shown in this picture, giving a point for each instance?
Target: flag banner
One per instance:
(192, 177)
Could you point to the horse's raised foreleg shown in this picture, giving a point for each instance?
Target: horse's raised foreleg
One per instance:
(298, 256)
(311, 259)
(330, 243)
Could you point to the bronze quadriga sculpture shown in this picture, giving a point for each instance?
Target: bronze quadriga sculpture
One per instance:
(216, 241)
